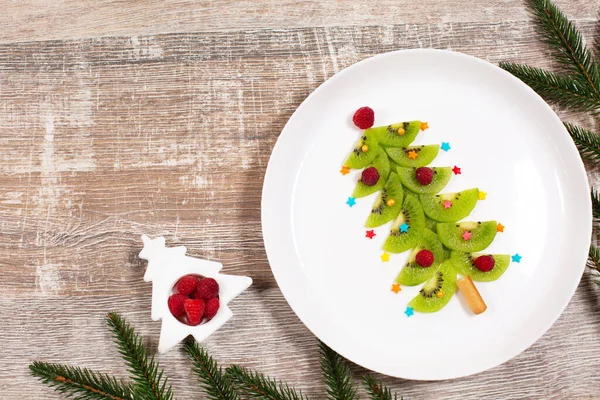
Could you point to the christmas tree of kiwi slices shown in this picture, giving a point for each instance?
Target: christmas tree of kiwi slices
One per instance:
(420, 217)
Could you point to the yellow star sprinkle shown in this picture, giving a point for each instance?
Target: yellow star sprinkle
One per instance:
(412, 154)
(344, 170)
(396, 288)
(424, 125)
(500, 227)
(385, 257)
(440, 294)
(482, 195)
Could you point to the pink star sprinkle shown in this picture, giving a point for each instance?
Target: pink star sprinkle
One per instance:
(466, 235)
(456, 170)
(371, 234)
(447, 204)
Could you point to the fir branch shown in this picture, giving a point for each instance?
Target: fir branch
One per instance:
(594, 262)
(260, 387)
(595, 204)
(146, 372)
(216, 384)
(80, 384)
(376, 390)
(337, 374)
(560, 89)
(563, 36)
(587, 142)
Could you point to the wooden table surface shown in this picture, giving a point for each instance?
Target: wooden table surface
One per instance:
(123, 117)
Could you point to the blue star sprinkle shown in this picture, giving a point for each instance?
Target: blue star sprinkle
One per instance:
(516, 258)
(351, 201)
(409, 312)
(404, 227)
(445, 146)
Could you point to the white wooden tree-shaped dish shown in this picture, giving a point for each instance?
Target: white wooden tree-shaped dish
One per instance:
(166, 265)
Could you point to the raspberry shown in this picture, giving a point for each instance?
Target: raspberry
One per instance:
(212, 306)
(207, 288)
(484, 263)
(424, 258)
(176, 304)
(370, 176)
(194, 310)
(424, 175)
(364, 117)
(187, 285)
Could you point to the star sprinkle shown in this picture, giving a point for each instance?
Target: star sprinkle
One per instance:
(516, 258)
(456, 170)
(351, 201)
(371, 234)
(482, 195)
(385, 257)
(440, 294)
(424, 125)
(499, 227)
(447, 204)
(445, 146)
(404, 227)
(344, 170)
(396, 288)
(409, 312)
(412, 154)
(466, 235)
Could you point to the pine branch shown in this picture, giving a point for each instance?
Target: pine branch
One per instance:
(146, 372)
(595, 204)
(587, 142)
(337, 374)
(563, 90)
(563, 36)
(376, 390)
(216, 384)
(260, 387)
(80, 384)
(594, 262)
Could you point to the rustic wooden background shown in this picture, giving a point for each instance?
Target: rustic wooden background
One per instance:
(121, 117)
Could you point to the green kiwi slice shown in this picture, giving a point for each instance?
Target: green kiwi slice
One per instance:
(437, 291)
(482, 235)
(411, 214)
(388, 135)
(461, 205)
(441, 177)
(358, 158)
(381, 212)
(430, 224)
(413, 274)
(425, 155)
(463, 262)
(382, 163)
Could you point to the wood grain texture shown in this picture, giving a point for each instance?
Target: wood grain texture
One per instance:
(105, 138)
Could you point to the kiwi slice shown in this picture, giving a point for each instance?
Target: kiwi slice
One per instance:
(359, 158)
(463, 262)
(430, 224)
(441, 176)
(461, 205)
(425, 155)
(388, 135)
(482, 235)
(382, 212)
(411, 214)
(382, 163)
(437, 291)
(413, 274)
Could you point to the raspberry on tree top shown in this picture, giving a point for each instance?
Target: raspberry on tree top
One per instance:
(166, 265)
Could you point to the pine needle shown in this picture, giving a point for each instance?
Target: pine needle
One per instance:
(216, 384)
(587, 142)
(376, 390)
(147, 374)
(80, 383)
(337, 375)
(594, 263)
(595, 204)
(257, 386)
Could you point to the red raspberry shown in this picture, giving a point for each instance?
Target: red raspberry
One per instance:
(212, 306)
(424, 258)
(484, 263)
(176, 304)
(424, 175)
(364, 117)
(187, 285)
(370, 176)
(207, 288)
(194, 310)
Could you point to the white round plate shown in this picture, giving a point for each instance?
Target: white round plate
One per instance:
(508, 142)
